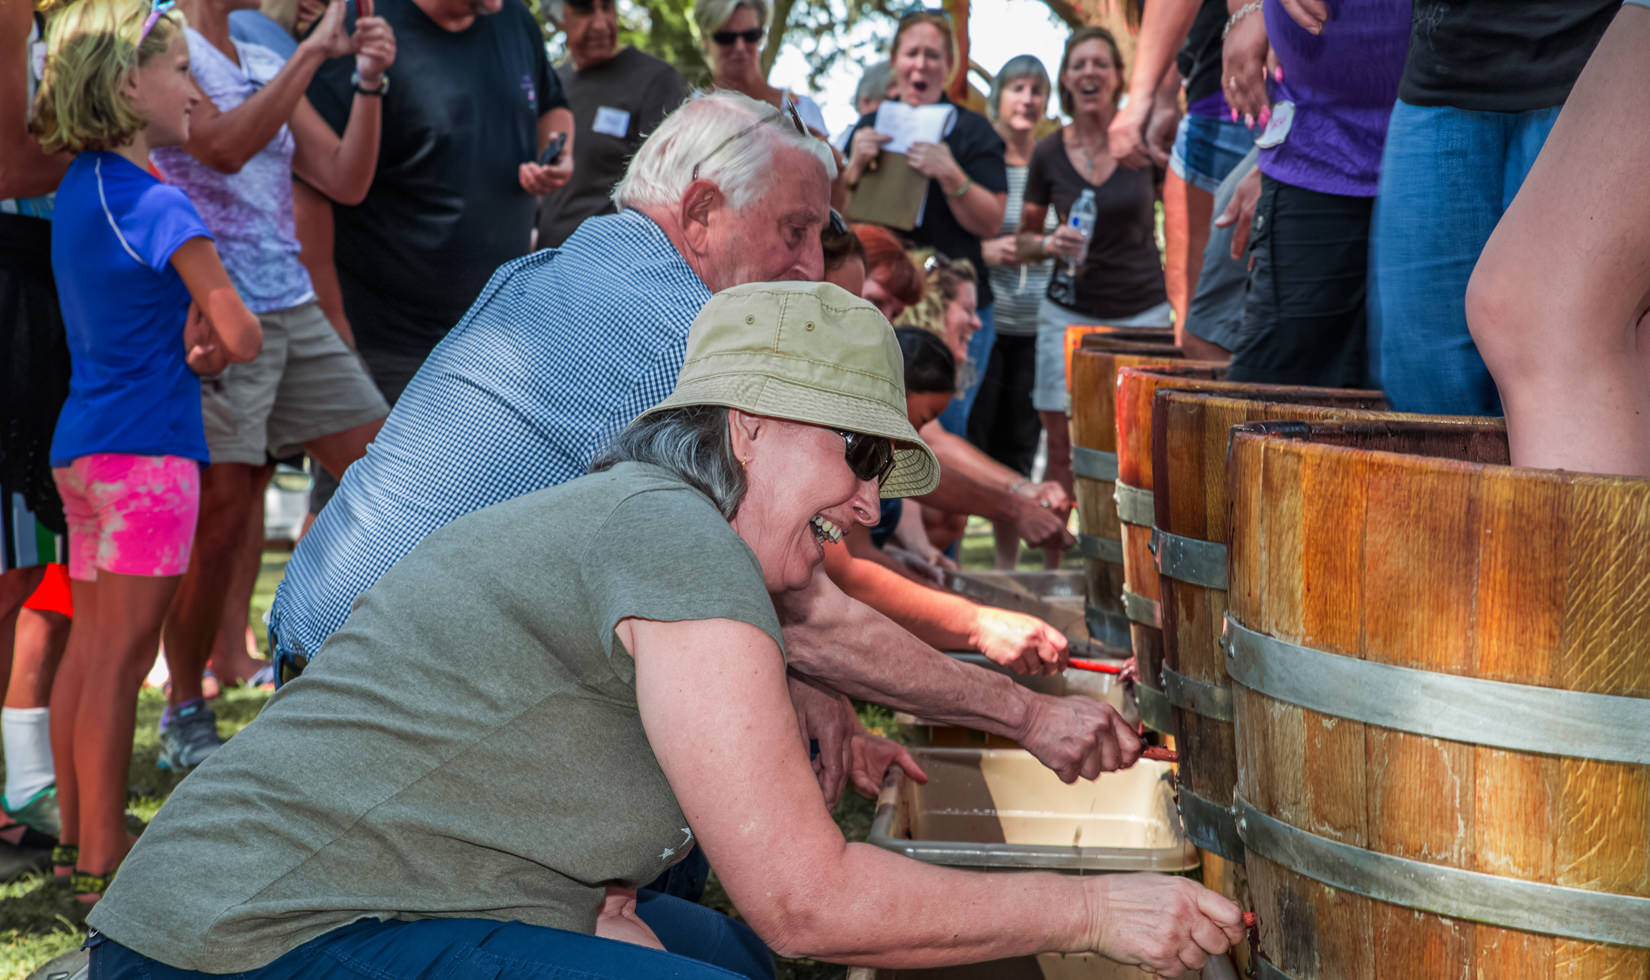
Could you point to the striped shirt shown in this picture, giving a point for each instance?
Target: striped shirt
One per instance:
(1019, 288)
(562, 349)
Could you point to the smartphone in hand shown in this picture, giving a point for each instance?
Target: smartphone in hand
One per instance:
(552, 153)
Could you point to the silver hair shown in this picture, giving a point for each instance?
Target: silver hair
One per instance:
(701, 134)
(1018, 67)
(874, 83)
(710, 15)
(691, 441)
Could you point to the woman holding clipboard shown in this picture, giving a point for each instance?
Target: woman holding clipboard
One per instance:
(967, 178)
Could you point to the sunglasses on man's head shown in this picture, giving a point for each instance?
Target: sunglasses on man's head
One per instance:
(779, 116)
(870, 457)
(726, 39)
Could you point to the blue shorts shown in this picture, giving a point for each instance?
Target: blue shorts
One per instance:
(1206, 149)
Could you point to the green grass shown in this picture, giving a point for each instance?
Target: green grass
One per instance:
(40, 920)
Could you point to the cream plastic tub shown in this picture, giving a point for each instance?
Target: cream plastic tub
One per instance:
(1002, 809)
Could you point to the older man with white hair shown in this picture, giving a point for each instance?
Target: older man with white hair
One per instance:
(566, 346)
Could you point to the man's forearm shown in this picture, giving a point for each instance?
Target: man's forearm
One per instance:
(854, 649)
(958, 494)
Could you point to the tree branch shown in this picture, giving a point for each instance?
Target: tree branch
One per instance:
(776, 34)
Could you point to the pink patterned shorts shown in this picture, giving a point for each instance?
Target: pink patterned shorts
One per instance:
(131, 515)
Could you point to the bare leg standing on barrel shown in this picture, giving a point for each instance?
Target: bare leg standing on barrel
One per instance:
(1562, 329)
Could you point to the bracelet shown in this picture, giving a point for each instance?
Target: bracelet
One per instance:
(1243, 11)
(1017, 485)
(361, 89)
(959, 192)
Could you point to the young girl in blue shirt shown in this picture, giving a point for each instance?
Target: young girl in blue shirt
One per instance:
(147, 307)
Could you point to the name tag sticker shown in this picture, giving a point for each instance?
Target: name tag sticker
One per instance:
(611, 121)
(1277, 129)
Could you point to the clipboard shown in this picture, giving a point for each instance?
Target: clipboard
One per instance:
(891, 195)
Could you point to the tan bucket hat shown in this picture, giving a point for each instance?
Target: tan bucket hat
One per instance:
(808, 352)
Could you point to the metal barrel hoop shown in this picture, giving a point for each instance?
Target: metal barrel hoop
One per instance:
(1190, 560)
(1470, 710)
(1135, 505)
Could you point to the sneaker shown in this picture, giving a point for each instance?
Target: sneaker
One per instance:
(39, 814)
(188, 735)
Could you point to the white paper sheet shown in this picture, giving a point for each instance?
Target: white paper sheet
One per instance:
(909, 124)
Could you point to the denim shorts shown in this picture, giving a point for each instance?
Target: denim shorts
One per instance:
(1206, 149)
(1050, 392)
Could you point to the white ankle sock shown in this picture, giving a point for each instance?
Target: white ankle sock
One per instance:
(28, 743)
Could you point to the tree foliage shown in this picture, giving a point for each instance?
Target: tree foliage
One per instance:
(825, 31)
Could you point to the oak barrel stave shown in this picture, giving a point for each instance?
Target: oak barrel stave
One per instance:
(1094, 367)
(1133, 409)
(1413, 544)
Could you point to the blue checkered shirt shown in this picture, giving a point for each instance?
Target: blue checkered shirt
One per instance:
(561, 350)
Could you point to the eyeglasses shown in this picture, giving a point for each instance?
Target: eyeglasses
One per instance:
(727, 39)
(779, 116)
(154, 17)
(870, 457)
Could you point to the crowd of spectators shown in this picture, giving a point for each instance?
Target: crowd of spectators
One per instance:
(390, 236)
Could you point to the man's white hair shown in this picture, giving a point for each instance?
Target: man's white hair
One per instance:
(701, 134)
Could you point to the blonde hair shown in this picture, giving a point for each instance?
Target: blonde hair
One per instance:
(710, 15)
(91, 48)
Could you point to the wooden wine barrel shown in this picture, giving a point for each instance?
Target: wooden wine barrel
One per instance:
(1094, 464)
(1107, 338)
(1441, 671)
(1133, 494)
(1189, 543)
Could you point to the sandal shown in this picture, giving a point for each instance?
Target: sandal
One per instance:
(87, 887)
(64, 858)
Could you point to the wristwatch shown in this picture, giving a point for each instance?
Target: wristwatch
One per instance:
(383, 84)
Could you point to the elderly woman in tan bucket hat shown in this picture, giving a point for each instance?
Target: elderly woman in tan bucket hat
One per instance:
(551, 700)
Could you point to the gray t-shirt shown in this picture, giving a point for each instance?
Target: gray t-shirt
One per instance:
(467, 746)
(616, 106)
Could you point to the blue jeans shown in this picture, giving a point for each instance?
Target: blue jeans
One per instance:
(955, 417)
(1447, 176)
(704, 945)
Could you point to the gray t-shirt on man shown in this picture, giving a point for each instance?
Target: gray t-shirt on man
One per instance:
(469, 745)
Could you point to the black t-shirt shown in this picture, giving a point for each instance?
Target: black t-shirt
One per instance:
(633, 92)
(1123, 273)
(446, 206)
(978, 150)
(1500, 55)
(1199, 58)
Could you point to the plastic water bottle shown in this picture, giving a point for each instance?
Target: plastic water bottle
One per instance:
(1082, 218)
